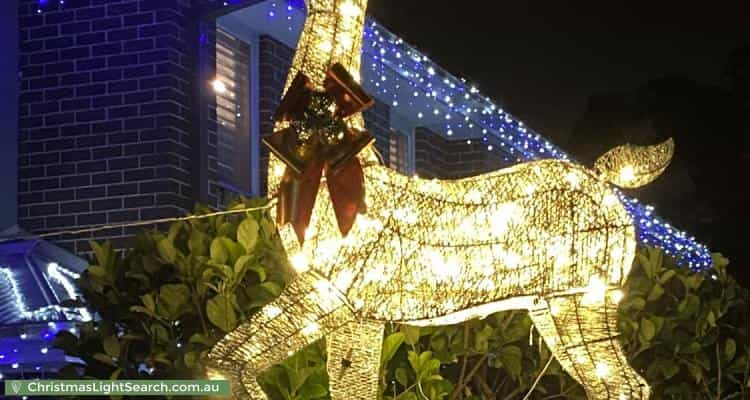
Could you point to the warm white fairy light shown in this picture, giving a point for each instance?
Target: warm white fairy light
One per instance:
(595, 292)
(299, 262)
(627, 173)
(602, 370)
(617, 296)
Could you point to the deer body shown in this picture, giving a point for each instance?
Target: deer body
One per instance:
(548, 236)
(443, 252)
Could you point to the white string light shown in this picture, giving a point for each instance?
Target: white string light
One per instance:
(102, 227)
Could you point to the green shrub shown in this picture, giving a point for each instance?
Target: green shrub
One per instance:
(164, 303)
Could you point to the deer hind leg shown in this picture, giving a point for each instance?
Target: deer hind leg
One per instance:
(585, 340)
(354, 360)
(308, 309)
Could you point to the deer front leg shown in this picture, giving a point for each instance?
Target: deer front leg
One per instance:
(584, 338)
(354, 360)
(308, 309)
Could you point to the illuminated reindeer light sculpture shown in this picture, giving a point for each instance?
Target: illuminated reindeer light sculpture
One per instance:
(550, 237)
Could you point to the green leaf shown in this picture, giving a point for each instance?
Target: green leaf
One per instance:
(413, 358)
(111, 346)
(97, 271)
(191, 359)
(297, 376)
(692, 348)
(689, 305)
(647, 331)
(402, 376)
(103, 253)
(221, 312)
(260, 271)
(148, 301)
(313, 391)
(411, 334)
(225, 229)
(711, 319)
(669, 368)
(481, 339)
(162, 358)
(273, 288)
(143, 310)
(225, 251)
(730, 349)
(656, 292)
(408, 396)
(692, 281)
(391, 346)
(142, 278)
(438, 342)
(267, 227)
(696, 372)
(510, 356)
(198, 243)
(160, 334)
(104, 359)
(219, 253)
(172, 300)
(242, 263)
(667, 275)
(634, 303)
(199, 338)
(247, 234)
(133, 338)
(166, 250)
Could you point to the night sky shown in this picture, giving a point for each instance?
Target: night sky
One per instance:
(542, 59)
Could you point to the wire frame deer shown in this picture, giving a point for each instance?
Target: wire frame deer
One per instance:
(550, 237)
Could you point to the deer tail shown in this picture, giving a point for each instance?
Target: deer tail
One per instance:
(631, 166)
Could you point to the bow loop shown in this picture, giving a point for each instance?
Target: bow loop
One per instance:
(318, 141)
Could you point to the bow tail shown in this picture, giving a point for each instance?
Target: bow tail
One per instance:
(297, 194)
(347, 189)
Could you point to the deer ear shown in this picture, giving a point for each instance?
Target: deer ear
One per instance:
(632, 166)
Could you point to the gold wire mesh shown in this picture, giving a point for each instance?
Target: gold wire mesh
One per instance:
(549, 236)
(631, 166)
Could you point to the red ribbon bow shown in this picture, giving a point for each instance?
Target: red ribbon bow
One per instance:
(308, 158)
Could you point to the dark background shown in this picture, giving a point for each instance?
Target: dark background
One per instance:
(592, 75)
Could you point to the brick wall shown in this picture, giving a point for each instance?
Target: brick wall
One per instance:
(378, 121)
(437, 157)
(104, 114)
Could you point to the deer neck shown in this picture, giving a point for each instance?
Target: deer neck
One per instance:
(332, 34)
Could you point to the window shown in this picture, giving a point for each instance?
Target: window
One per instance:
(232, 90)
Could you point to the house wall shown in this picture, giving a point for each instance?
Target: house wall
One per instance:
(8, 111)
(437, 157)
(105, 114)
